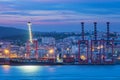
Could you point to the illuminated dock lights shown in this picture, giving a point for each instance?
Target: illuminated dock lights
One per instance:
(51, 51)
(82, 57)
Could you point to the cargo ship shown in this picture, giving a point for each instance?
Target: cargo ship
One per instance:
(20, 62)
(33, 62)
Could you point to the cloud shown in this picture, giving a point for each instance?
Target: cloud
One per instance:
(48, 17)
(74, 1)
(6, 0)
(69, 12)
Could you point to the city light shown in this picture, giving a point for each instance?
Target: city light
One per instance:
(13, 55)
(93, 49)
(83, 57)
(118, 58)
(25, 55)
(64, 56)
(6, 51)
(68, 49)
(51, 51)
(72, 56)
(102, 46)
(98, 47)
(47, 55)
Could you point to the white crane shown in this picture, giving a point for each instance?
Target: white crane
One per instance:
(30, 32)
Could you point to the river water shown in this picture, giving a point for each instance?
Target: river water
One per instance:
(82, 72)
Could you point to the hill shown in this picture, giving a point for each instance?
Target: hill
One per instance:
(9, 33)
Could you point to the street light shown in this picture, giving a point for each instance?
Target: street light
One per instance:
(64, 56)
(51, 51)
(99, 47)
(83, 57)
(102, 46)
(93, 49)
(6, 52)
(68, 49)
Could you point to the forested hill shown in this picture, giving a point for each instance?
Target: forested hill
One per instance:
(12, 33)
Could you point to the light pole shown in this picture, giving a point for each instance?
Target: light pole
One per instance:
(7, 53)
(51, 52)
(68, 52)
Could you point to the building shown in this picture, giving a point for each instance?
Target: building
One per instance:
(48, 40)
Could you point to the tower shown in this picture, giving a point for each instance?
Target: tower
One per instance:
(108, 31)
(32, 44)
(83, 47)
(30, 31)
(95, 30)
(82, 25)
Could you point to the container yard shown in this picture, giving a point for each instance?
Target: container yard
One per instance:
(94, 51)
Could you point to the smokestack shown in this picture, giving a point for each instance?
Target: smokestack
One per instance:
(82, 26)
(108, 31)
(95, 30)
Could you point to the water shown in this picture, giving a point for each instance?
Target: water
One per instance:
(81, 72)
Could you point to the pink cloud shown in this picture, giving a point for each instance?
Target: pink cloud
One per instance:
(48, 17)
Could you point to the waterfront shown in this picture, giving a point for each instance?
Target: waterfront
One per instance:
(82, 72)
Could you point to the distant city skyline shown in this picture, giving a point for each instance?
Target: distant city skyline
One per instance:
(60, 15)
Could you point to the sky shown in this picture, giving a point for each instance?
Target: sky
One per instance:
(60, 15)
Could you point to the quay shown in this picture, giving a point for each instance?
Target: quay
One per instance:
(94, 51)
(49, 62)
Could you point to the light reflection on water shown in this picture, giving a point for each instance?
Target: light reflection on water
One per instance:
(6, 68)
(29, 69)
(59, 72)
